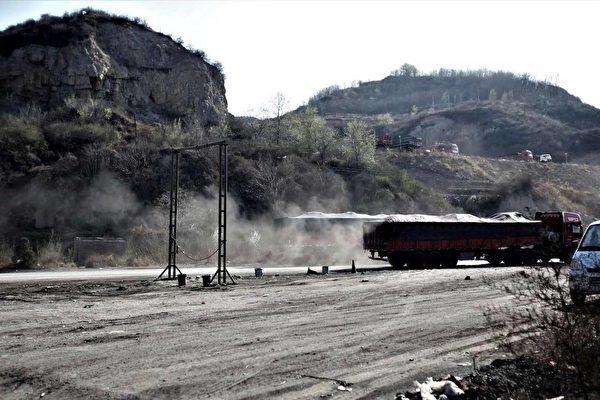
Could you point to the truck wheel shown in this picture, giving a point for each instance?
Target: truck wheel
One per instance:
(449, 261)
(494, 261)
(414, 262)
(577, 298)
(396, 261)
(513, 261)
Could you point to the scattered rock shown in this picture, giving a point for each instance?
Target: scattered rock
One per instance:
(468, 278)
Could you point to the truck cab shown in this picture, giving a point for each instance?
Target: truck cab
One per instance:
(584, 273)
(561, 233)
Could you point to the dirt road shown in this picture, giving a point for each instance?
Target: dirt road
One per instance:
(260, 339)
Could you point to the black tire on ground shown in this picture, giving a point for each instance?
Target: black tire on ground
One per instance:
(577, 298)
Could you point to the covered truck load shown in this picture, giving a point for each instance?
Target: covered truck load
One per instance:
(417, 240)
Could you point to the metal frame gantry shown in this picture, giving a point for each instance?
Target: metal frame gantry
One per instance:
(222, 274)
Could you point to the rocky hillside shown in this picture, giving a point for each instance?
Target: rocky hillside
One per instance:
(90, 54)
(485, 113)
(485, 186)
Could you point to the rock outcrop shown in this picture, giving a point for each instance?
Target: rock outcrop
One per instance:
(91, 54)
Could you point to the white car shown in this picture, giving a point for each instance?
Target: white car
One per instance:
(584, 274)
(545, 158)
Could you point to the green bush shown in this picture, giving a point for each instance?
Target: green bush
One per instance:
(73, 136)
(15, 132)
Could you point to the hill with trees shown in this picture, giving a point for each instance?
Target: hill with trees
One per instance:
(484, 112)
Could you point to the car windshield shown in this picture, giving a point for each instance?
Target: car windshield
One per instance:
(591, 240)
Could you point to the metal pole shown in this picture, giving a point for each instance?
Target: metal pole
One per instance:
(174, 265)
(220, 245)
(171, 208)
(171, 268)
(224, 146)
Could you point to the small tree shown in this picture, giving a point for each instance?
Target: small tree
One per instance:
(327, 145)
(493, 95)
(446, 98)
(312, 136)
(360, 142)
(279, 107)
(406, 70)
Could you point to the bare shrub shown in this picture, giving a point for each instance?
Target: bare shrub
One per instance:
(51, 253)
(543, 323)
(6, 253)
(89, 110)
(146, 246)
(32, 114)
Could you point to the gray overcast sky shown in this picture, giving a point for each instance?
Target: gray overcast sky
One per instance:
(298, 47)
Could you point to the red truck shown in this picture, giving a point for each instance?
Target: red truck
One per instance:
(508, 238)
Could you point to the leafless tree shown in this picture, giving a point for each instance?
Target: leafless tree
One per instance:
(280, 105)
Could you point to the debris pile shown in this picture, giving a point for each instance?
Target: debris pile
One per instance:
(522, 377)
(449, 388)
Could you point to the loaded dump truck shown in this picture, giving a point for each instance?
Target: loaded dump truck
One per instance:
(509, 238)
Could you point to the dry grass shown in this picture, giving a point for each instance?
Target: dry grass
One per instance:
(51, 254)
(102, 260)
(6, 254)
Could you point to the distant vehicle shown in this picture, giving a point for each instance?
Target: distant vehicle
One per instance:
(584, 274)
(425, 240)
(525, 155)
(545, 158)
(404, 142)
(451, 148)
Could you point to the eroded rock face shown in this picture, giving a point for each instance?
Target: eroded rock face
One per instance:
(90, 54)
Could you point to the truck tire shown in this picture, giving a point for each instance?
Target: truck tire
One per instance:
(493, 260)
(396, 261)
(449, 261)
(513, 260)
(577, 298)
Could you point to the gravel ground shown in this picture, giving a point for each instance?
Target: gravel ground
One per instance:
(277, 337)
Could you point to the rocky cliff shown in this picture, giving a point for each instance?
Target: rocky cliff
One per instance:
(91, 54)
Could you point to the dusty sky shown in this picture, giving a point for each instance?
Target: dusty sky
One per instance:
(299, 47)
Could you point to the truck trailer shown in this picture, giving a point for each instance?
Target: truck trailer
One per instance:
(509, 238)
